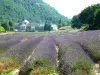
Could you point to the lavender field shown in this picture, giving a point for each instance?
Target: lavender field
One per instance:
(50, 54)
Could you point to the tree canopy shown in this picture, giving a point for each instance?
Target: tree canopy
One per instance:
(32, 10)
(91, 16)
(47, 27)
(6, 26)
(76, 23)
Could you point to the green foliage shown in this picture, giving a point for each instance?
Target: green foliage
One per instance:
(2, 29)
(91, 16)
(67, 22)
(6, 72)
(11, 26)
(38, 67)
(47, 27)
(76, 23)
(62, 22)
(7, 64)
(43, 70)
(97, 20)
(32, 10)
(6, 26)
(84, 27)
(95, 51)
(80, 67)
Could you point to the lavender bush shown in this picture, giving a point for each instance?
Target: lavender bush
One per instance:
(90, 42)
(69, 51)
(7, 44)
(22, 50)
(44, 55)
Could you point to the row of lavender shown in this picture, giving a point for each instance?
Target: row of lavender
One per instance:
(69, 52)
(5, 38)
(38, 47)
(22, 50)
(44, 54)
(72, 46)
(17, 50)
(89, 41)
(8, 41)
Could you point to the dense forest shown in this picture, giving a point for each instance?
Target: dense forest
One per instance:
(37, 11)
(89, 17)
(32, 10)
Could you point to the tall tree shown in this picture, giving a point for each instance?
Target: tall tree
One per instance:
(76, 23)
(47, 27)
(11, 26)
(89, 15)
(97, 20)
(60, 23)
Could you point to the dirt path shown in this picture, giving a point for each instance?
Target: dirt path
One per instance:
(57, 50)
(7, 33)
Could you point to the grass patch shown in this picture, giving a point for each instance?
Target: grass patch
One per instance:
(43, 71)
(7, 65)
(39, 67)
(1, 51)
(94, 51)
(81, 67)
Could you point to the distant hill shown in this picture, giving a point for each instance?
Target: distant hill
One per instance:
(32, 10)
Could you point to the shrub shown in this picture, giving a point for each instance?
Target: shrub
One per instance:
(69, 50)
(6, 26)
(7, 65)
(84, 27)
(81, 67)
(38, 67)
(41, 66)
(22, 50)
(2, 29)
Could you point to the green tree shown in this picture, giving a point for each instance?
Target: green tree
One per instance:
(67, 22)
(60, 23)
(89, 16)
(6, 26)
(2, 29)
(76, 23)
(11, 26)
(32, 10)
(47, 27)
(97, 20)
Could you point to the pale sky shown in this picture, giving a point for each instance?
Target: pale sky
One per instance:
(69, 8)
